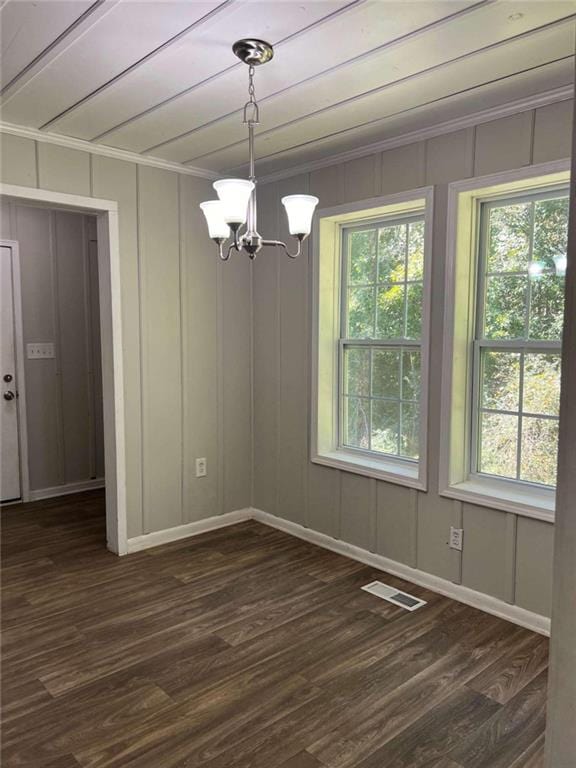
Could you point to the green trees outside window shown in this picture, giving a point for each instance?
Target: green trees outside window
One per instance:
(382, 279)
(519, 326)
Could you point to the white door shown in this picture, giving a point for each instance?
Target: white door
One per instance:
(10, 482)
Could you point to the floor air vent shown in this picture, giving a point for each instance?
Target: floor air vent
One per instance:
(395, 596)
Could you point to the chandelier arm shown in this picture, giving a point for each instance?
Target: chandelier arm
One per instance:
(281, 244)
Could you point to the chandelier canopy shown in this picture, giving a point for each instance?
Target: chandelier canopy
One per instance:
(236, 203)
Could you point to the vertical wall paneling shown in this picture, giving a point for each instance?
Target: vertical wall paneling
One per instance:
(324, 500)
(18, 161)
(409, 526)
(503, 144)
(90, 280)
(33, 230)
(403, 168)
(293, 403)
(328, 185)
(116, 180)
(450, 157)
(184, 317)
(73, 349)
(397, 522)
(534, 549)
(358, 513)
(161, 371)
(362, 178)
(236, 382)
(486, 531)
(553, 132)
(199, 353)
(96, 349)
(266, 308)
(63, 169)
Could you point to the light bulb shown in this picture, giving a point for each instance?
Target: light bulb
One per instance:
(299, 209)
(234, 195)
(213, 210)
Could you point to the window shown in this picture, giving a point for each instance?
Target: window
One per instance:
(370, 352)
(382, 287)
(504, 311)
(517, 346)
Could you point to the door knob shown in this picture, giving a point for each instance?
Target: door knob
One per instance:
(7, 377)
(9, 395)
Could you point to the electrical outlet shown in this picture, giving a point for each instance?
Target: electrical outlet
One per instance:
(456, 538)
(201, 468)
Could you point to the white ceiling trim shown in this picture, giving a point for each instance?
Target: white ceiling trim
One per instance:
(99, 149)
(494, 113)
(563, 93)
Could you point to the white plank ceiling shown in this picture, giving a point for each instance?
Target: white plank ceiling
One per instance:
(158, 77)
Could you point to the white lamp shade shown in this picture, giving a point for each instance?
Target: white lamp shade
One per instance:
(299, 209)
(560, 262)
(234, 195)
(217, 226)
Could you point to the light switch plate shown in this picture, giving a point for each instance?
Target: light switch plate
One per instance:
(201, 468)
(40, 350)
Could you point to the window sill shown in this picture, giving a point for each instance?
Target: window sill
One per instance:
(532, 502)
(399, 472)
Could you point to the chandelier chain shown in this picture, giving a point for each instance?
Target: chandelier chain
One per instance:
(251, 111)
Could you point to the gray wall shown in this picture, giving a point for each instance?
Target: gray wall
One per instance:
(186, 323)
(507, 556)
(59, 282)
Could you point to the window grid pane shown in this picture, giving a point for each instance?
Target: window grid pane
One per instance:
(380, 405)
(380, 382)
(517, 385)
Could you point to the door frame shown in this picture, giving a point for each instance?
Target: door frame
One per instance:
(19, 366)
(109, 289)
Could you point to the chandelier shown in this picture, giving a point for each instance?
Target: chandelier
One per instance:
(236, 204)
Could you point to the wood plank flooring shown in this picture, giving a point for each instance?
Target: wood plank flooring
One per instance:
(246, 648)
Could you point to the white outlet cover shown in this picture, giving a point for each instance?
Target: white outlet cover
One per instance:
(456, 538)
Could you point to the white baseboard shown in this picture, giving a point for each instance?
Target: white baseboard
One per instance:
(65, 490)
(138, 543)
(487, 603)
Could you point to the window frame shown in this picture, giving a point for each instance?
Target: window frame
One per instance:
(326, 446)
(461, 358)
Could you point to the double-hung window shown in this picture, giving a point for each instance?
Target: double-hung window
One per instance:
(502, 345)
(370, 355)
(381, 326)
(518, 336)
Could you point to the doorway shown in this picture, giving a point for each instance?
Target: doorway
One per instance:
(14, 445)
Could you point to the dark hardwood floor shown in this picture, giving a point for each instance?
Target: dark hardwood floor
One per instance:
(246, 648)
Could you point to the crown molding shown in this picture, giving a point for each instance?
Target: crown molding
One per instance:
(100, 149)
(562, 93)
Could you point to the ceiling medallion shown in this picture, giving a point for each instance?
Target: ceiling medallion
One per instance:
(236, 204)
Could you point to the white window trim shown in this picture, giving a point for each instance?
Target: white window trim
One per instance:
(455, 480)
(326, 318)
